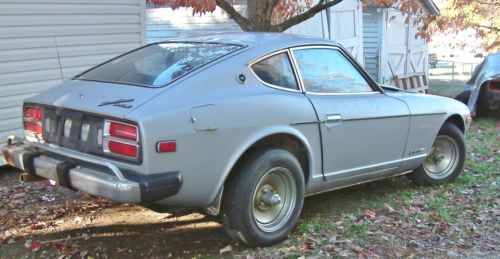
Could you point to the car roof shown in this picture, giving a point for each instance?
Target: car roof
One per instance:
(269, 39)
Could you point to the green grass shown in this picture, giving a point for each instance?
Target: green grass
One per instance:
(430, 210)
(448, 88)
(314, 225)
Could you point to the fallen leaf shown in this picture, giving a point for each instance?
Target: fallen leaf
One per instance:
(308, 245)
(37, 226)
(387, 209)
(78, 220)
(35, 246)
(11, 223)
(436, 217)
(355, 248)
(226, 249)
(48, 198)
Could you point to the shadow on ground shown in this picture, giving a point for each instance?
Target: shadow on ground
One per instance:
(127, 230)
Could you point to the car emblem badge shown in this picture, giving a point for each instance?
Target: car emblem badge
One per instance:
(81, 96)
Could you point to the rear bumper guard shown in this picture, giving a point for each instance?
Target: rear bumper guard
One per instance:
(82, 172)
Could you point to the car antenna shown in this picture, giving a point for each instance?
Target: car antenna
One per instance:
(57, 50)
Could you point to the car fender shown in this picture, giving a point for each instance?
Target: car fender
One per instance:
(254, 138)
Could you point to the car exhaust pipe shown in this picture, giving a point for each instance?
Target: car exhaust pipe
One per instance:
(25, 178)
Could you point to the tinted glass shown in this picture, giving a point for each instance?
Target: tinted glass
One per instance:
(328, 71)
(276, 70)
(158, 64)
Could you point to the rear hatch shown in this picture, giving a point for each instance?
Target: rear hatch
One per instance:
(108, 99)
(75, 112)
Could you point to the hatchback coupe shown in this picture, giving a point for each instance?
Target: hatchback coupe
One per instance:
(240, 125)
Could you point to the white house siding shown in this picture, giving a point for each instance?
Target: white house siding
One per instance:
(43, 42)
(165, 23)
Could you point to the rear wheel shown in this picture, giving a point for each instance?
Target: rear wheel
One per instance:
(446, 159)
(263, 200)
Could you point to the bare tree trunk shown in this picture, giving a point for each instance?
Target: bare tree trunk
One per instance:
(259, 14)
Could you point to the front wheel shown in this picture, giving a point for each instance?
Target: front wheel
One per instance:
(446, 159)
(263, 200)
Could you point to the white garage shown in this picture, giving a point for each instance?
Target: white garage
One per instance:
(390, 46)
(43, 42)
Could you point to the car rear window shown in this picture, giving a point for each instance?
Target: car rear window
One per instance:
(159, 64)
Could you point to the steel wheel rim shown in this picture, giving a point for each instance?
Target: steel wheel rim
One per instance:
(268, 216)
(443, 158)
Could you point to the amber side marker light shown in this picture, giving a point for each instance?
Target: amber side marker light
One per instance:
(469, 120)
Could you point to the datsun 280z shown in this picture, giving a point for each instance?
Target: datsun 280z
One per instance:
(240, 125)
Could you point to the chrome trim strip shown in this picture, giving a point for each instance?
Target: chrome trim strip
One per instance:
(359, 93)
(303, 122)
(348, 185)
(425, 114)
(374, 118)
(370, 166)
(271, 85)
(296, 71)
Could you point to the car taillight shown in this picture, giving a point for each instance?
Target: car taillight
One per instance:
(32, 120)
(122, 130)
(121, 139)
(122, 148)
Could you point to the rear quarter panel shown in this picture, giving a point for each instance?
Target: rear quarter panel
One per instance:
(239, 114)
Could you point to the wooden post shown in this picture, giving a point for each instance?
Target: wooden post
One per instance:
(453, 71)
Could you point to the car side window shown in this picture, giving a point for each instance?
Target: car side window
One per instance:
(276, 71)
(325, 70)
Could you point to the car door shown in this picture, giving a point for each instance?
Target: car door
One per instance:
(362, 129)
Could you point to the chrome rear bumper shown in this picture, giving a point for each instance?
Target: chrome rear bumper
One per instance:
(89, 174)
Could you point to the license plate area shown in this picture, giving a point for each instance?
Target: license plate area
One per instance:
(73, 129)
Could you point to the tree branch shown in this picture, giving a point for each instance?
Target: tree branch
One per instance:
(322, 5)
(243, 22)
(487, 3)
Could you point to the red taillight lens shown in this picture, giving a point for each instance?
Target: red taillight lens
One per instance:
(122, 149)
(166, 146)
(33, 127)
(121, 139)
(34, 113)
(122, 130)
(32, 118)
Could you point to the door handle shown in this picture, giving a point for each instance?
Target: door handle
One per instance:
(333, 118)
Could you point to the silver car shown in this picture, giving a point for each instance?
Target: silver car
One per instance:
(240, 125)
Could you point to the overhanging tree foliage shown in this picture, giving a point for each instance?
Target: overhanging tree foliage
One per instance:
(479, 15)
(262, 15)
(279, 15)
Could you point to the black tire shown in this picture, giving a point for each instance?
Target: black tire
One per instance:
(446, 159)
(262, 171)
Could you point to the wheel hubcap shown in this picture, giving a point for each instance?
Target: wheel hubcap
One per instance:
(443, 158)
(274, 199)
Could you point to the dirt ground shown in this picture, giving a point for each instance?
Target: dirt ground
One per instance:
(388, 218)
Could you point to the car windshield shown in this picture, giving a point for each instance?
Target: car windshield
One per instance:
(159, 64)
